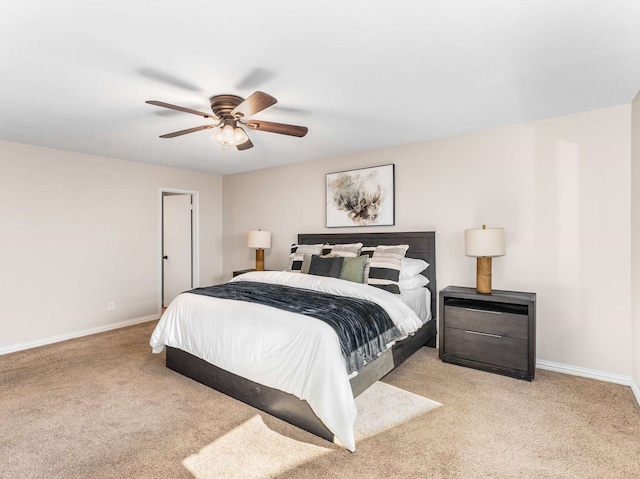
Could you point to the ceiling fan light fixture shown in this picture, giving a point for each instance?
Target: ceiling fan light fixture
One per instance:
(240, 135)
(218, 136)
(230, 135)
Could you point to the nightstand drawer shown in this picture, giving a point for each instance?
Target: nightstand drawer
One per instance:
(496, 350)
(487, 321)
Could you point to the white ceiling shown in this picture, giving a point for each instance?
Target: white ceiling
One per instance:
(361, 75)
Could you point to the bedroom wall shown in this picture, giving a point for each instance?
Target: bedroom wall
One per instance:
(78, 231)
(560, 188)
(635, 243)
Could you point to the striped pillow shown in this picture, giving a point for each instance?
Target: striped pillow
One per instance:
(351, 250)
(367, 251)
(384, 270)
(297, 255)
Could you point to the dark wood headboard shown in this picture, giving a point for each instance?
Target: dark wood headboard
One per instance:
(422, 245)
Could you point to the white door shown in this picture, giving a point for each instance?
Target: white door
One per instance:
(176, 246)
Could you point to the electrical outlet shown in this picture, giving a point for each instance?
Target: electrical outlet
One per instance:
(111, 305)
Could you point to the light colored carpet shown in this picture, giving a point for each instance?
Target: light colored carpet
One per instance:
(265, 453)
(105, 407)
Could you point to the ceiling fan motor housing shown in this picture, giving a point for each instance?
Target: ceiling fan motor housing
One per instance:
(223, 105)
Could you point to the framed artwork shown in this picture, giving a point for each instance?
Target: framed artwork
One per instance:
(363, 197)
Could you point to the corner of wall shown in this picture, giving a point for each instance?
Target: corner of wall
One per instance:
(635, 247)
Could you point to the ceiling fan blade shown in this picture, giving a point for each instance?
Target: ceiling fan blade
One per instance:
(189, 130)
(281, 128)
(254, 79)
(258, 101)
(181, 108)
(245, 146)
(159, 75)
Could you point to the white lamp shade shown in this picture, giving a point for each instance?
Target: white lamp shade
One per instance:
(259, 239)
(484, 242)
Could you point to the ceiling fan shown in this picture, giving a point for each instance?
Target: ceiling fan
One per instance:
(228, 112)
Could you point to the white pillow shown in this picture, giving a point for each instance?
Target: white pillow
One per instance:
(418, 281)
(411, 267)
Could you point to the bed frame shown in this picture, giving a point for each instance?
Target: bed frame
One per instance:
(287, 406)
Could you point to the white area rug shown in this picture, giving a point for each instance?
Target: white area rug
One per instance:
(383, 406)
(254, 450)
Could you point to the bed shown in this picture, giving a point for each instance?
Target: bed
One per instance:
(194, 359)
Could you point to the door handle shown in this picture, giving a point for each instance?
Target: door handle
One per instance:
(165, 257)
(483, 311)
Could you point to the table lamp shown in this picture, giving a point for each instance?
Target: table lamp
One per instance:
(259, 240)
(484, 244)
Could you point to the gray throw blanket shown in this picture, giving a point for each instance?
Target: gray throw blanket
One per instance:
(363, 327)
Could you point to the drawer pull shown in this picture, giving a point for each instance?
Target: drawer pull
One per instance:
(483, 334)
(483, 311)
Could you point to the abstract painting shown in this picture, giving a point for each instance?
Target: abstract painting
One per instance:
(363, 197)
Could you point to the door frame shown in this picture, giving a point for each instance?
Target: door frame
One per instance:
(195, 238)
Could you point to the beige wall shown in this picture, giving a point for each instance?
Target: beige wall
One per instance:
(78, 231)
(560, 187)
(635, 242)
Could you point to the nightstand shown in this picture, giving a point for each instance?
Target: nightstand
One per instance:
(493, 332)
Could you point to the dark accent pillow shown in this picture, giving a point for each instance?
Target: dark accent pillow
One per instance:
(329, 267)
(306, 263)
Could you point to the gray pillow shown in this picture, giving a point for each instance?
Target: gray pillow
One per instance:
(330, 267)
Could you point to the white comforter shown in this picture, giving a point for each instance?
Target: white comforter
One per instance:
(276, 348)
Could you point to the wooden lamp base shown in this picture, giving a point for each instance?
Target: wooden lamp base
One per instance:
(260, 259)
(483, 275)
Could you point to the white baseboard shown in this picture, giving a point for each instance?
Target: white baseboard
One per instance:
(636, 391)
(77, 334)
(585, 373)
